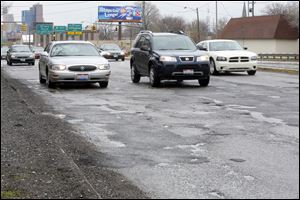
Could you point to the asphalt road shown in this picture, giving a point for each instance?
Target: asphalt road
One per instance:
(236, 138)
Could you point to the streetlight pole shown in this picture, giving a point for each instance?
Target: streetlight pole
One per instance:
(198, 23)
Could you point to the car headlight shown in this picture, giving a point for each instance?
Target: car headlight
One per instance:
(104, 66)
(203, 58)
(32, 56)
(58, 67)
(221, 58)
(122, 53)
(167, 59)
(13, 56)
(254, 58)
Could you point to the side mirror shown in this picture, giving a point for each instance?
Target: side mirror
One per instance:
(245, 48)
(201, 48)
(45, 53)
(145, 48)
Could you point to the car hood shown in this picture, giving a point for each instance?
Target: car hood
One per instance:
(79, 60)
(234, 53)
(180, 53)
(22, 53)
(113, 51)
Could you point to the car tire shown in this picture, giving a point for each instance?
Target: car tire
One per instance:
(204, 82)
(135, 76)
(212, 67)
(117, 59)
(153, 77)
(49, 83)
(103, 84)
(251, 72)
(123, 59)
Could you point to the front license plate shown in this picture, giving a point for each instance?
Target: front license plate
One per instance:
(188, 71)
(82, 77)
(23, 60)
(115, 56)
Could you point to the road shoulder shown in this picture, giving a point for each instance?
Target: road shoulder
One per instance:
(43, 157)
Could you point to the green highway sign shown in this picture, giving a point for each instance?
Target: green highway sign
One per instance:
(74, 29)
(44, 28)
(60, 29)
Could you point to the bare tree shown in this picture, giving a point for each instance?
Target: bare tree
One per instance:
(221, 25)
(151, 15)
(5, 6)
(289, 10)
(170, 23)
(192, 30)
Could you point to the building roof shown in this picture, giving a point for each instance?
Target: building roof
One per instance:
(259, 27)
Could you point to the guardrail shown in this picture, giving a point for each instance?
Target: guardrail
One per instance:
(281, 57)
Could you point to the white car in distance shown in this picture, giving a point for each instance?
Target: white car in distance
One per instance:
(229, 56)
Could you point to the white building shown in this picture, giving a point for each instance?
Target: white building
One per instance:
(263, 34)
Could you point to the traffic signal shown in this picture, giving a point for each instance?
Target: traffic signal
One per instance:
(94, 28)
(116, 29)
(53, 37)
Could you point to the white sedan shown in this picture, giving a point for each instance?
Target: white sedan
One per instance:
(229, 56)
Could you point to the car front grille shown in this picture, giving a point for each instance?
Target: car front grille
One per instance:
(22, 57)
(186, 58)
(238, 59)
(82, 68)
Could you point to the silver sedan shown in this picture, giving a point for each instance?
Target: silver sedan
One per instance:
(73, 61)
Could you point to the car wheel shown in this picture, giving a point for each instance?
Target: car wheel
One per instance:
(212, 66)
(117, 59)
(33, 63)
(153, 77)
(252, 72)
(123, 59)
(204, 82)
(103, 84)
(49, 83)
(135, 77)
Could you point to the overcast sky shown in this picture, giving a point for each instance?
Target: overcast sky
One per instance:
(64, 12)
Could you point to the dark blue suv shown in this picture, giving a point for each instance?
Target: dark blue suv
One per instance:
(168, 56)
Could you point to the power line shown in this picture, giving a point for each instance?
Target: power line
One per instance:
(58, 4)
(226, 10)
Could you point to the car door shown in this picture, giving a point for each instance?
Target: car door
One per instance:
(145, 55)
(137, 54)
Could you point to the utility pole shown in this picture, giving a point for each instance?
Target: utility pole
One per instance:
(253, 8)
(143, 14)
(248, 8)
(216, 19)
(198, 25)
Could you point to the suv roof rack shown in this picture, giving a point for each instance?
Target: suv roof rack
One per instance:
(145, 31)
(178, 32)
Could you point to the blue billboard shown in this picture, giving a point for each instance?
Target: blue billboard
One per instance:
(119, 14)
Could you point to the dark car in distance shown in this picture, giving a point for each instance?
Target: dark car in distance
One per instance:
(168, 56)
(112, 51)
(20, 54)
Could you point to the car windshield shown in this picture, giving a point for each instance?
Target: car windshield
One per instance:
(20, 49)
(74, 49)
(110, 47)
(224, 46)
(173, 42)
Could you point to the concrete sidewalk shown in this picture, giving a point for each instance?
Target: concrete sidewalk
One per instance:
(279, 66)
(43, 157)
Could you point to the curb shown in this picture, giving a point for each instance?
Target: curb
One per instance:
(279, 70)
